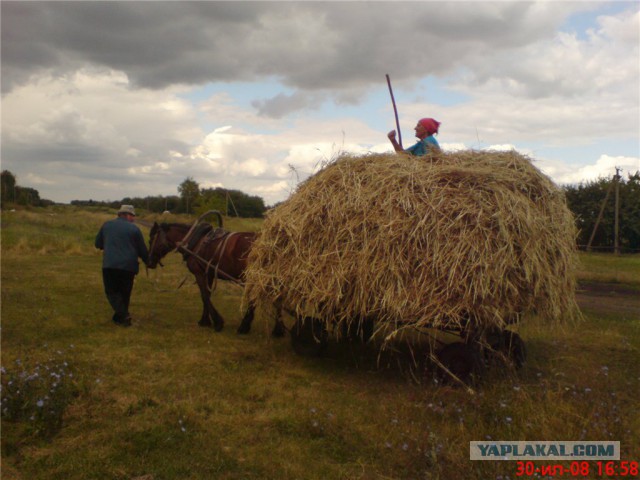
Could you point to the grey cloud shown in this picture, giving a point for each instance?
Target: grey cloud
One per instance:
(155, 43)
(564, 68)
(281, 105)
(309, 46)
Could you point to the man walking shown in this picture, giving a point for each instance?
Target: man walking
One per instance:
(122, 243)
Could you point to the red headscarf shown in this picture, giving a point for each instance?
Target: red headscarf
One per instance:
(430, 125)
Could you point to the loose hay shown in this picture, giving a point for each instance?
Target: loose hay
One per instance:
(425, 242)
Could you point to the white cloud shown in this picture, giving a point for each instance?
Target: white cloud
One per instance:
(93, 118)
(277, 190)
(253, 167)
(624, 28)
(564, 66)
(33, 179)
(604, 167)
(452, 147)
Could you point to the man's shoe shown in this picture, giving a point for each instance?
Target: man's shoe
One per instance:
(123, 323)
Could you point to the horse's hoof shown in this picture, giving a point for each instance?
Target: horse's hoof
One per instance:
(218, 326)
(279, 331)
(242, 330)
(204, 324)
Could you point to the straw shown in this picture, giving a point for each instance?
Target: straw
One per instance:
(433, 242)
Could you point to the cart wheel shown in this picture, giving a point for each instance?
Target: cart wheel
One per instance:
(493, 337)
(366, 329)
(463, 360)
(514, 348)
(309, 336)
(358, 331)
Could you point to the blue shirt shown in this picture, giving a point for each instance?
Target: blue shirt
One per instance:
(426, 145)
(122, 243)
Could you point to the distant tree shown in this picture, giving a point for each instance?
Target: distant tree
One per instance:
(630, 214)
(189, 191)
(28, 196)
(14, 193)
(211, 199)
(8, 185)
(171, 203)
(248, 206)
(232, 202)
(585, 201)
(160, 204)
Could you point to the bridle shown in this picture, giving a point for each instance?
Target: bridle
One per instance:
(163, 245)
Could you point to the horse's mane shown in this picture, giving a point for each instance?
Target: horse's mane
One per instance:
(182, 226)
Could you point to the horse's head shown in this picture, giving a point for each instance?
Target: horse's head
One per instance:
(159, 244)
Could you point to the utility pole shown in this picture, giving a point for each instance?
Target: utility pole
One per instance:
(615, 185)
(229, 199)
(599, 219)
(616, 228)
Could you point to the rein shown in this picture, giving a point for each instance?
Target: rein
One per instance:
(153, 245)
(163, 290)
(217, 271)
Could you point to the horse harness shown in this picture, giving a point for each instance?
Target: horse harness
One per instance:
(203, 236)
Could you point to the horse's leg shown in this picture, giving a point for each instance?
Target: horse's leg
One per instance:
(245, 325)
(209, 313)
(218, 321)
(194, 268)
(205, 319)
(279, 329)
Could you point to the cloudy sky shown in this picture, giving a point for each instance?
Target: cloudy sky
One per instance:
(105, 100)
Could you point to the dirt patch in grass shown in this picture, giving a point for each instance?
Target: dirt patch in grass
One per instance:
(609, 298)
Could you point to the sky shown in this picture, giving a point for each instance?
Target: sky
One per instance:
(107, 100)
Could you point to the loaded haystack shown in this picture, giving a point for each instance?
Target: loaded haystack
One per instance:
(477, 237)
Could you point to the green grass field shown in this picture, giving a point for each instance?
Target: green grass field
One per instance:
(166, 399)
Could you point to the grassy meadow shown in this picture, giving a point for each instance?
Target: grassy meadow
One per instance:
(166, 399)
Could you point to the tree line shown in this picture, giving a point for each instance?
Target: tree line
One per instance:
(12, 193)
(192, 200)
(230, 202)
(585, 200)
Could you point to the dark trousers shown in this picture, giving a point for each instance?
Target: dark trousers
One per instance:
(118, 285)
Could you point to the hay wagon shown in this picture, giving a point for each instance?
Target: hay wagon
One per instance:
(465, 243)
(462, 354)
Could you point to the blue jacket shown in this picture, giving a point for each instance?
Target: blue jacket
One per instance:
(122, 243)
(426, 145)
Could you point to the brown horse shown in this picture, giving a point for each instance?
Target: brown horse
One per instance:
(210, 254)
